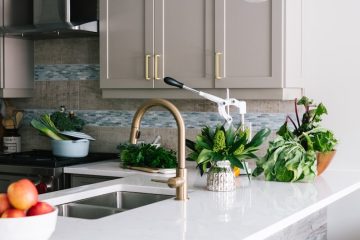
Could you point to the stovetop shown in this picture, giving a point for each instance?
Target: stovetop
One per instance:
(44, 158)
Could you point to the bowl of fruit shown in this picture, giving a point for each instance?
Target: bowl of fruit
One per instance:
(23, 216)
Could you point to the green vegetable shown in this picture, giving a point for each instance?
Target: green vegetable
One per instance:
(47, 127)
(219, 144)
(67, 121)
(219, 141)
(287, 161)
(323, 140)
(292, 155)
(146, 155)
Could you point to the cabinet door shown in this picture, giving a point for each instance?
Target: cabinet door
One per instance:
(81, 180)
(248, 44)
(184, 42)
(17, 67)
(18, 63)
(126, 37)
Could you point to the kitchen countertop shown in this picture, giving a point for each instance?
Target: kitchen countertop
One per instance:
(255, 210)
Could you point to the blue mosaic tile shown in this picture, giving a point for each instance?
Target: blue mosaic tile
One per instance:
(163, 119)
(53, 72)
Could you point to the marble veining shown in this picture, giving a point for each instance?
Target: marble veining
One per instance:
(163, 119)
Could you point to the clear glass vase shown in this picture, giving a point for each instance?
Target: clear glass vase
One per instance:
(221, 177)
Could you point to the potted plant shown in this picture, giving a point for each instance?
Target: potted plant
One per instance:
(215, 150)
(301, 153)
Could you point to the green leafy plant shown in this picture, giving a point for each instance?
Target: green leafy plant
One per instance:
(67, 121)
(147, 155)
(287, 161)
(322, 139)
(218, 144)
(292, 155)
(45, 126)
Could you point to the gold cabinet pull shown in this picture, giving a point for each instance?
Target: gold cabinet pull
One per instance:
(147, 58)
(157, 67)
(217, 65)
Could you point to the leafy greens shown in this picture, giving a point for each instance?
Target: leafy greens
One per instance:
(67, 121)
(147, 155)
(287, 161)
(292, 155)
(323, 140)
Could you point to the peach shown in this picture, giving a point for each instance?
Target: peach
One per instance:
(13, 213)
(22, 194)
(40, 208)
(4, 203)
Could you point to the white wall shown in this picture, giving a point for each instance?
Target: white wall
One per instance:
(332, 70)
(332, 75)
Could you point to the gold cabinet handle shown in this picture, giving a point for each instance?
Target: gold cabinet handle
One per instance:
(147, 58)
(157, 67)
(217, 65)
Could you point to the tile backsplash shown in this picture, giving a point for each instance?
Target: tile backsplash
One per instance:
(67, 73)
(163, 119)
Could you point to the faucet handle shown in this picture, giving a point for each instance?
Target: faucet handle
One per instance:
(160, 180)
(171, 182)
(175, 182)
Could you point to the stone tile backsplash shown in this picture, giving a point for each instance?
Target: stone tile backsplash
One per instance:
(51, 72)
(67, 73)
(163, 119)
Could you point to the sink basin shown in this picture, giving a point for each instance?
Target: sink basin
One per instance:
(85, 211)
(108, 204)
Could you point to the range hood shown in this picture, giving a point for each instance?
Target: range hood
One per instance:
(60, 18)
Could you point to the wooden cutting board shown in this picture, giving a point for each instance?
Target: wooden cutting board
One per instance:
(153, 170)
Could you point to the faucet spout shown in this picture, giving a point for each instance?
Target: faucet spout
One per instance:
(180, 181)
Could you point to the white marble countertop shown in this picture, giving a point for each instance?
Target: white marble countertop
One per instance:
(255, 210)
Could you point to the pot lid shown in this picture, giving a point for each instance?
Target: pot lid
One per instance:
(79, 135)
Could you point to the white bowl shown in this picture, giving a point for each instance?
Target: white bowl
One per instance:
(38, 227)
(70, 148)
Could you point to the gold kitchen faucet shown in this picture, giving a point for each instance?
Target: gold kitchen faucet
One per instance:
(180, 181)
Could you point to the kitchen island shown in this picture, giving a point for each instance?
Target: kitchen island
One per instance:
(256, 210)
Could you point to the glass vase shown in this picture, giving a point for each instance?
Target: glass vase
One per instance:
(220, 177)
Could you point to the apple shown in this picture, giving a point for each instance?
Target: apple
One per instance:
(39, 208)
(22, 194)
(4, 203)
(13, 213)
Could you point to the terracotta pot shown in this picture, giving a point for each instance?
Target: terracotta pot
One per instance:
(323, 160)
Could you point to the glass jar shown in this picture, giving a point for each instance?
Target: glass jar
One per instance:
(221, 177)
(11, 141)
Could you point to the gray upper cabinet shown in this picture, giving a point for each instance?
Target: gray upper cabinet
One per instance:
(17, 68)
(254, 48)
(251, 42)
(126, 38)
(247, 45)
(16, 54)
(184, 42)
(142, 41)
